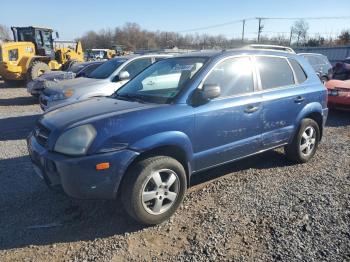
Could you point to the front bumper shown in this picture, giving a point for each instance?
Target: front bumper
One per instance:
(35, 88)
(78, 175)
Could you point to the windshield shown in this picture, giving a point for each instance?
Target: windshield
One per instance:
(162, 81)
(106, 69)
(76, 68)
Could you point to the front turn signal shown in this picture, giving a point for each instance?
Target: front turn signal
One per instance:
(102, 166)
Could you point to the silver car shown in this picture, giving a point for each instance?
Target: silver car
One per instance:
(37, 85)
(103, 81)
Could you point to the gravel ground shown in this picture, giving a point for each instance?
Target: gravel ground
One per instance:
(258, 209)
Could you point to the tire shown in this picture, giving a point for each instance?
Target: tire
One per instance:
(142, 182)
(304, 144)
(37, 69)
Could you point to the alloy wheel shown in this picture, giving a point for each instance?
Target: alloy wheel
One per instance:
(160, 191)
(308, 141)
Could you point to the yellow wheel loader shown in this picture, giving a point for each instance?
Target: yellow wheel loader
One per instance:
(34, 52)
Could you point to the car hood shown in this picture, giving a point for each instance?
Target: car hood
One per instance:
(75, 83)
(56, 75)
(87, 111)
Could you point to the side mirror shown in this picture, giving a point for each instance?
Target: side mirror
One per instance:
(211, 91)
(57, 35)
(123, 75)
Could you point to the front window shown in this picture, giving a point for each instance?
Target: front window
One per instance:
(47, 39)
(234, 76)
(106, 69)
(162, 81)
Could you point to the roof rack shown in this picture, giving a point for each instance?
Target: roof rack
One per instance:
(271, 47)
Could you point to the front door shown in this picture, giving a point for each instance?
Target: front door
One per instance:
(228, 127)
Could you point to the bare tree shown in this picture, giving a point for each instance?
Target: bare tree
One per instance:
(299, 30)
(344, 38)
(133, 37)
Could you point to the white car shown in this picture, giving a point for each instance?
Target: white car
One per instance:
(103, 81)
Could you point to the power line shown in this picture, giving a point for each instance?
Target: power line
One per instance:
(263, 18)
(215, 26)
(306, 18)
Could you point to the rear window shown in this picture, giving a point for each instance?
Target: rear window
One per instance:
(274, 72)
(298, 70)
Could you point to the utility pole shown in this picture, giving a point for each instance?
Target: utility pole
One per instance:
(299, 33)
(260, 28)
(290, 37)
(243, 24)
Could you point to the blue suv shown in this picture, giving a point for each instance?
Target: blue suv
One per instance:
(178, 117)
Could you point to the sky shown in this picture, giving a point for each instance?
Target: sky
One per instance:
(180, 15)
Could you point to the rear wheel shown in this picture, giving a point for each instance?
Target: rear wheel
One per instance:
(37, 69)
(305, 142)
(153, 189)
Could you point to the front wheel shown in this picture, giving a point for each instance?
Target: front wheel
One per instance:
(153, 189)
(305, 142)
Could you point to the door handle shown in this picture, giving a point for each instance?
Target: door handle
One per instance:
(299, 99)
(251, 109)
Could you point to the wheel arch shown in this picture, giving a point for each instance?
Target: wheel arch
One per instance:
(33, 59)
(314, 112)
(173, 144)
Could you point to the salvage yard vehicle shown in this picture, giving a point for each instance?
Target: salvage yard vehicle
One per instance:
(100, 54)
(103, 81)
(180, 116)
(48, 79)
(320, 64)
(33, 53)
(341, 70)
(338, 94)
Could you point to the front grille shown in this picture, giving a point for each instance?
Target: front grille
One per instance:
(41, 133)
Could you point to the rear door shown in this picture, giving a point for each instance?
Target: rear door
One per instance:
(283, 98)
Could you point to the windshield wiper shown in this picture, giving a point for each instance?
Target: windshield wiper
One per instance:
(128, 97)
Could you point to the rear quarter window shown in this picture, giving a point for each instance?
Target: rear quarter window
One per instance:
(298, 70)
(274, 72)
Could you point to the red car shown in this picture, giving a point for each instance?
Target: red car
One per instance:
(338, 94)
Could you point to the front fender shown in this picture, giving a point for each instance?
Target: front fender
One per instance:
(169, 138)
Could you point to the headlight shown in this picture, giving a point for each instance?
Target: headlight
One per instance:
(76, 141)
(66, 94)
